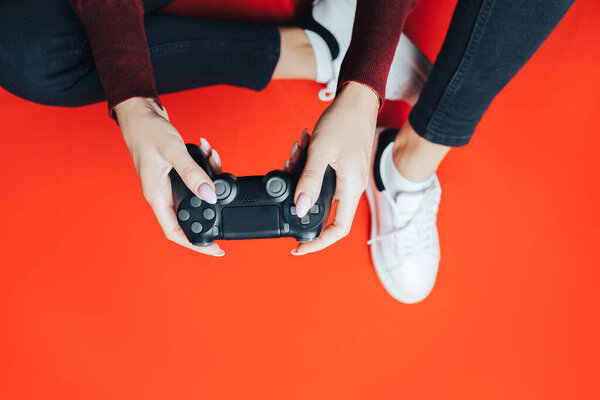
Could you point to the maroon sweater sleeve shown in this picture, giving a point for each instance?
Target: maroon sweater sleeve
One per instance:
(115, 29)
(377, 28)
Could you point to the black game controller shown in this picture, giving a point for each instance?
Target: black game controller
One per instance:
(249, 207)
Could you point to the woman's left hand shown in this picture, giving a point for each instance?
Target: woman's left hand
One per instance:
(343, 139)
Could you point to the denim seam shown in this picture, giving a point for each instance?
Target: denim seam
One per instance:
(436, 121)
(164, 48)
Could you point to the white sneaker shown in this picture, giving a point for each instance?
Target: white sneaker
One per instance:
(404, 239)
(410, 66)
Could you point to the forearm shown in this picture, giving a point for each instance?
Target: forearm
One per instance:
(115, 30)
(377, 28)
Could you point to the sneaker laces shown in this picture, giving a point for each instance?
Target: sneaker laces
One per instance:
(414, 230)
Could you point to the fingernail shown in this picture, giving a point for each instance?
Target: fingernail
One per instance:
(221, 253)
(204, 145)
(215, 157)
(304, 138)
(294, 149)
(287, 164)
(207, 193)
(295, 252)
(302, 205)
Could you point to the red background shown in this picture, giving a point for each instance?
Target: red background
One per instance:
(96, 304)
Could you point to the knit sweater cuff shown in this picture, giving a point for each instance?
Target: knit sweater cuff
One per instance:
(375, 36)
(118, 42)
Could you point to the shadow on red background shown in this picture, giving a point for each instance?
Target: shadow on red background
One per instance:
(96, 304)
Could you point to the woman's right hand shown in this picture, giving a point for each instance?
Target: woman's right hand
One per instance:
(156, 147)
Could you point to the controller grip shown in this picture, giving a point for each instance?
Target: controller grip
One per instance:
(328, 190)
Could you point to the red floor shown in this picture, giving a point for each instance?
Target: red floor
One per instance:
(96, 304)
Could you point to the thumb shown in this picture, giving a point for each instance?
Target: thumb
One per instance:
(194, 177)
(310, 182)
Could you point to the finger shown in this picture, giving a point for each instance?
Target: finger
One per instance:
(191, 173)
(294, 151)
(311, 180)
(162, 205)
(296, 157)
(205, 146)
(298, 152)
(345, 210)
(304, 140)
(215, 162)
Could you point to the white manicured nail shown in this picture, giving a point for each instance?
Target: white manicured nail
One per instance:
(302, 205)
(295, 252)
(207, 193)
(215, 157)
(294, 149)
(204, 145)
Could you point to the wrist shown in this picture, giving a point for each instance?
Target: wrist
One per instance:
(135, 108)
(361, 95)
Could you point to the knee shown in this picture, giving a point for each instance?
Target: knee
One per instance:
(39, 63)
(31, 77)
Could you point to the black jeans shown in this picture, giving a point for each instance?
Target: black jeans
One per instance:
(487, 43)
(45, 57)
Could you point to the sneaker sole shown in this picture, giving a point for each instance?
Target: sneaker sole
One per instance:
(382, 274)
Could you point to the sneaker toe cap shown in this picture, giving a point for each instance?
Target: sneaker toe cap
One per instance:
(414, 279)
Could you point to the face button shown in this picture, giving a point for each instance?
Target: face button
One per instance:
(314, 209)
(209, 213)
(222, 188)
(305, 220)
(275, 186)
(195, 202)
(196, 227)
(183, 215)
(293, 210)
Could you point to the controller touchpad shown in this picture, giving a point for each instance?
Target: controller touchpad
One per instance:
(250, 222)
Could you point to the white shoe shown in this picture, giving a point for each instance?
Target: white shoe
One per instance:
(410, 66)
(404, 239)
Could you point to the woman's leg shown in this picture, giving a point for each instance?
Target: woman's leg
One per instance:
(189, 53)
(296, 57)
(48, 59)
(42, 47)
(487, 43)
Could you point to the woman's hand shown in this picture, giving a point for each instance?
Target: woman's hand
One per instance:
(156, 147)
(343, 139)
